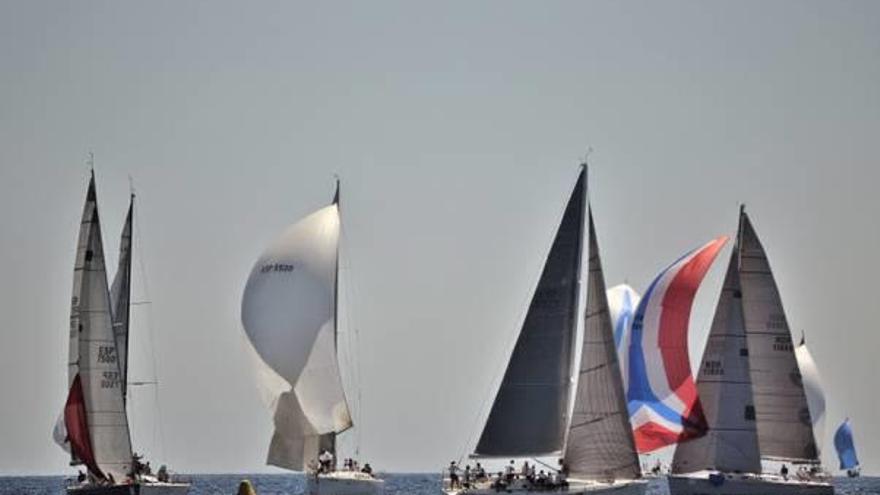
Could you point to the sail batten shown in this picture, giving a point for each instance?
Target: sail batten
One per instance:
(600, 441)
(529, 414)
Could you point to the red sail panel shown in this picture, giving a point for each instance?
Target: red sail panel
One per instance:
(78, 428)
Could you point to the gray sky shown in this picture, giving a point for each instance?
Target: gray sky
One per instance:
(456, 129)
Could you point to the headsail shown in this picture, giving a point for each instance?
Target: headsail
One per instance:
(813, 389)
(600, 440)
(529, 415)
(725, 391)
(661, 393)
(846, 449)
(289, 315)
(94, 415)
(120, 297)
(783, 417)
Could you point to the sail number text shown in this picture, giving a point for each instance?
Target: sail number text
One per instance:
(276, 267)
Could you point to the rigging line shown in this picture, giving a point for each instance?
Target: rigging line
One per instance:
(352, 339)
(150, 334)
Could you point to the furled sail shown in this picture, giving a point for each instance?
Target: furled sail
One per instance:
(846, 448)
(622, 303)
(94, 415)
(529, 415)
(600, 440)
(725, 391)
(120, 297)
(813, 389)
(289, 315)
(661, 393)
(785, 430)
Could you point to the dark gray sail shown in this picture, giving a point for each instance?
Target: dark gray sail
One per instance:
(120, 297)
(725, 391)
(529, 415)
(783, 415)
(600, 443)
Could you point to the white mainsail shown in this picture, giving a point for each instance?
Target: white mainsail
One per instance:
(725, 390)
(289, 315)
(95, 419)
(750, 384)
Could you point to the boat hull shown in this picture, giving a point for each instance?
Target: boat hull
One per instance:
(694, 485)
(344, 483)
(575, 487)
(138, 489)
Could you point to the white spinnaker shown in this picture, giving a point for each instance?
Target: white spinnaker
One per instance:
(622, 303)
(288, 313)
(813, 389)
(93, 353)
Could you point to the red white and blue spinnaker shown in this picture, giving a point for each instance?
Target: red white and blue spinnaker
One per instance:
(661, 390)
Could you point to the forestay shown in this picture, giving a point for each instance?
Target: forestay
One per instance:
(600, 441)
(94, 414)
(289, 316)
(529, 415)
(783, 416)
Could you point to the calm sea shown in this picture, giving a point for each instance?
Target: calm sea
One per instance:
(280, 484)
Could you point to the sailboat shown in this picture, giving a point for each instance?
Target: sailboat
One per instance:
(846, 449)
(751, 391)
(543, 409)
(290, 314)
(94, 425)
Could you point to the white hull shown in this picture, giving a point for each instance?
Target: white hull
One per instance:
(139, 489)
(733, 484)
(575, 487)
(344, 483)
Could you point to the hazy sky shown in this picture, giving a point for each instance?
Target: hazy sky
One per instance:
(456, 129)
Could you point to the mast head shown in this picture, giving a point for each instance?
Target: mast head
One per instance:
(336, 194)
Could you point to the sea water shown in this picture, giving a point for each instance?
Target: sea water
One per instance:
(396, 484)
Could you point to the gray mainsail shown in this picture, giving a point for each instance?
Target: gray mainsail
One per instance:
(783, 415)
(725, 391)
(100, 439)
(529, 415)
(600, 441)
(120, 297)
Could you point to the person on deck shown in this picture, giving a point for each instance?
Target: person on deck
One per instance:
(326, 460)
(467, 476)
(784, 472)
(480, 473)
(453, 475)
(367, 469)
(508, 472)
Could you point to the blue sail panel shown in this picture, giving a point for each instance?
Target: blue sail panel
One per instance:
(846, 449)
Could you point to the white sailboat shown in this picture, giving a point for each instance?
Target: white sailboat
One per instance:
(752, 392)
(289, 312)
(542, 408)
(94, 425)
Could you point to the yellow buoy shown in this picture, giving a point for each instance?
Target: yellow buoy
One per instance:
(245, 488)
